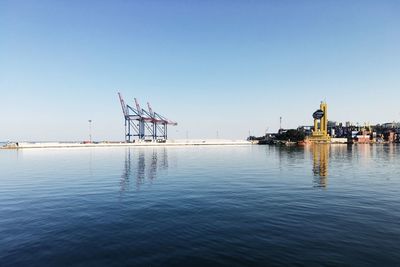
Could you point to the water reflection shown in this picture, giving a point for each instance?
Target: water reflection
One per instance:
(288, 155)
(320, 154)
(142, 165)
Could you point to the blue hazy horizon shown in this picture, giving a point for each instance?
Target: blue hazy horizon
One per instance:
(213, 66)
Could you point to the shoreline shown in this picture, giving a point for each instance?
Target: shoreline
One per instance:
(205, 142)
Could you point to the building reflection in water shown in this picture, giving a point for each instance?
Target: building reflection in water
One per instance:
(320, 154)
(142, 165)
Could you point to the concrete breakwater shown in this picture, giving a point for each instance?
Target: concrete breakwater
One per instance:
(23, 145)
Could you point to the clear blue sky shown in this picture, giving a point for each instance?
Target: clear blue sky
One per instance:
(226, 66)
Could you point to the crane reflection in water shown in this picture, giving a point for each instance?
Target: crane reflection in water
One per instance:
(142, 165)
(320, 154)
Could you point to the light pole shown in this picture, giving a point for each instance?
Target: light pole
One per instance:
(90, 130)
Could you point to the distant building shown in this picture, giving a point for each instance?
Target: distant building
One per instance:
(390, 136)
(398, 135)
(363, 139)
(391, 125)
(332, 124)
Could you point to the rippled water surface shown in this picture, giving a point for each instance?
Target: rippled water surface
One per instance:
(201, 206)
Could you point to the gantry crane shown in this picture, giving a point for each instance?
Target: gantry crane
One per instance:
(144, 124)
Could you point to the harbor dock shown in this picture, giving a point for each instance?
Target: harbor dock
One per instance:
(200, 142)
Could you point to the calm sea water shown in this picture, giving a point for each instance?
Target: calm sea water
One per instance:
(201, 206)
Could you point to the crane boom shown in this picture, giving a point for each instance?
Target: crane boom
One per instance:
(123, 106)
(150, 110)
(139, 110)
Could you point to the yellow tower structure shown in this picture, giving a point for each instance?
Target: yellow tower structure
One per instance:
(320, 132)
